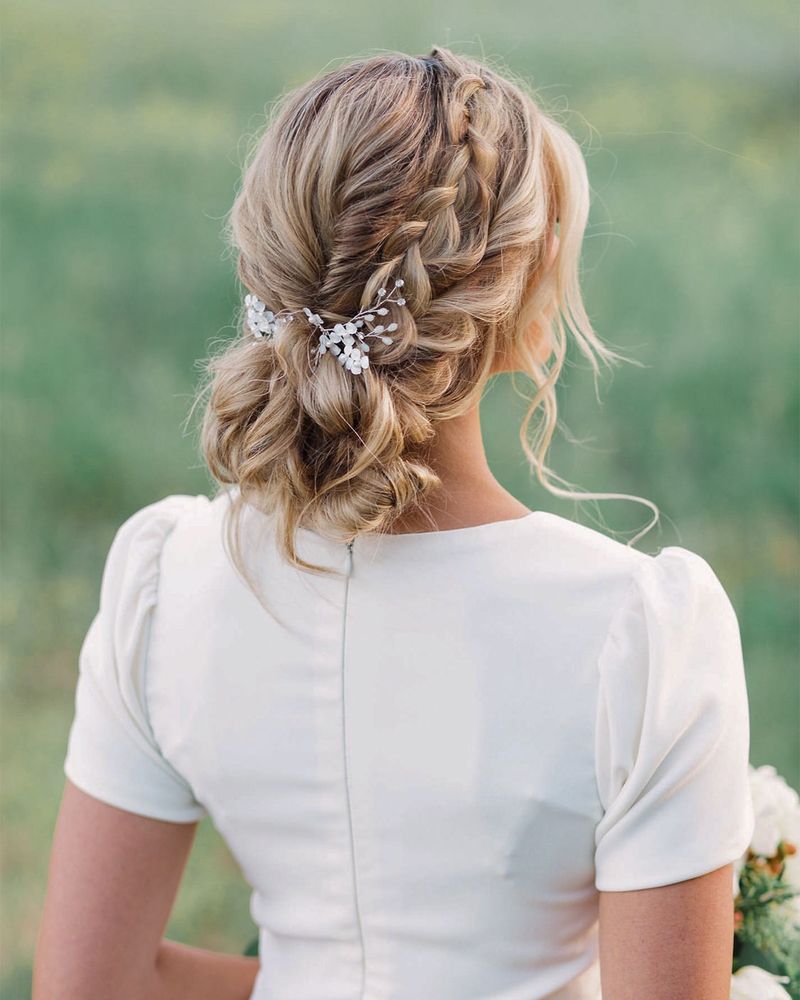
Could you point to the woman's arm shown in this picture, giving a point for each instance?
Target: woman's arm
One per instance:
(112, 883)
(674, 942)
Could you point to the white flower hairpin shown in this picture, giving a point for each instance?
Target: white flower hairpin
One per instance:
(345, 341)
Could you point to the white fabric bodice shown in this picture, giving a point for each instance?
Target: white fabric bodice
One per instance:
(431, 768)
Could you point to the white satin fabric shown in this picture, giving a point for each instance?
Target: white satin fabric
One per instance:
(431, 768)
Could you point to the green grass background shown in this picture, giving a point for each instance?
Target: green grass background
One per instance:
(122, 133)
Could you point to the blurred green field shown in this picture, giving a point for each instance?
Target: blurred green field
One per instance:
(122, 128)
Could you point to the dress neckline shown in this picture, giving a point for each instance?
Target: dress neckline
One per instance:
(459, 531)
(438, 538)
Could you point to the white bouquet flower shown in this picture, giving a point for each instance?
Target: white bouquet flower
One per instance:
(753, 983)
(777, 811)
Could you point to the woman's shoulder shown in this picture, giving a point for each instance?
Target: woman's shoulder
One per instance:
(165, 513)
(671, 568)
(176, 513)
(582, 541)
(146, 539)
(661, 589)
(581, 557)
(142, 536)
(193, 531)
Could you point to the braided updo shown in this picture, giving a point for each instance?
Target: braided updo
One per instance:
(437, 170)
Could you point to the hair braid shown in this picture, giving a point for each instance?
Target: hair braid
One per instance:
(447, 230)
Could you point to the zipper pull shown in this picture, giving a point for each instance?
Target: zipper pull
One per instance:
(349, 546)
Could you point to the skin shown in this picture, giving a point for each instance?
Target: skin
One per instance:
(673, 942)
(91, 944)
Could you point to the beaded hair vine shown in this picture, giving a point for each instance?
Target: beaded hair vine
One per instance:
(347, 341)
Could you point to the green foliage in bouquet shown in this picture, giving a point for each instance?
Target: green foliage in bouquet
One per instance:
(766, 925)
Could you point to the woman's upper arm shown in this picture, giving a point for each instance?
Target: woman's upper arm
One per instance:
(672, 748)
(670, 942)
(112, 883)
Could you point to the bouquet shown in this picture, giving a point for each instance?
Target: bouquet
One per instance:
(766, 895)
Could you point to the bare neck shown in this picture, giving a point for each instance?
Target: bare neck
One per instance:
(469, 494)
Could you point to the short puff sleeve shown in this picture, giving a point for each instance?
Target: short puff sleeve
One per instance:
(672, 729)
(112, 752)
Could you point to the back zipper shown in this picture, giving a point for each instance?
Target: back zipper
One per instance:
(347, 790)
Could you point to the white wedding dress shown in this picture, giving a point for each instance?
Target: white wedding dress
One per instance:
(432, 767)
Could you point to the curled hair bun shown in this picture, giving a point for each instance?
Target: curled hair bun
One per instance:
(438, 170)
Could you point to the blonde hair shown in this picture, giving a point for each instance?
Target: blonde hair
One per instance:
(436, 169)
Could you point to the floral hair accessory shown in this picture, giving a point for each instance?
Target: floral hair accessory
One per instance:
(345, 341)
